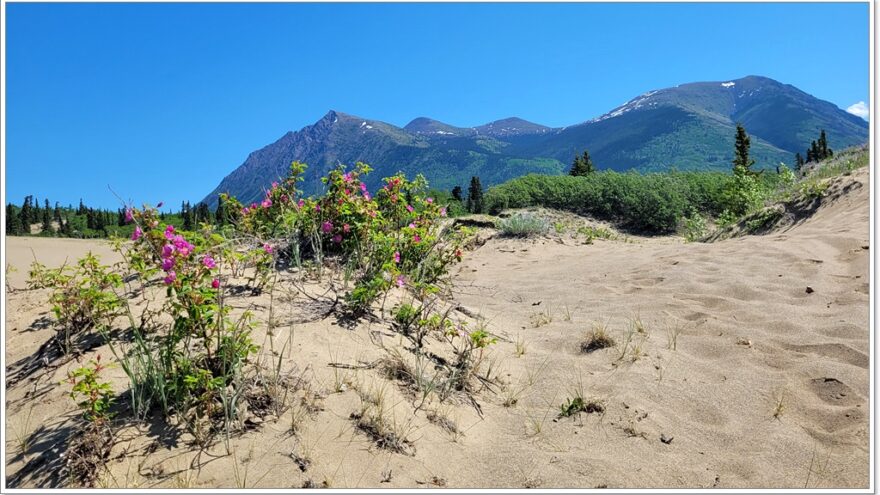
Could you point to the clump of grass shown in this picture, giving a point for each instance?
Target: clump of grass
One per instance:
(378, 422)
(672, 332)
(24, 435)
(597, 338)
(779, 405)
(578, 404)
(541, 318)
(520, 347)
(523, 225)
(442, 419)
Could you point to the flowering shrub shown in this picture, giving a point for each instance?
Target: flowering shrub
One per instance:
(82, 298)
(204, 349)
(394, 239)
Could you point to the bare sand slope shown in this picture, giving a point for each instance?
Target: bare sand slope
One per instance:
(751, 337)
(52, 252)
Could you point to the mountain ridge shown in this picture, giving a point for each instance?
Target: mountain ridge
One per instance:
(689, 126)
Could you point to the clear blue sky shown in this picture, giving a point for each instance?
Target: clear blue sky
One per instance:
(161, 101)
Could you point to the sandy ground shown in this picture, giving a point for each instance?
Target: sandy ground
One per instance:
(752, 342)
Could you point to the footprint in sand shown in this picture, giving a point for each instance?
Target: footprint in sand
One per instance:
(833, 391)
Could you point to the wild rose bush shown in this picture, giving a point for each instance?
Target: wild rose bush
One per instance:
(83, 298)
(203, 351)
(393, 239)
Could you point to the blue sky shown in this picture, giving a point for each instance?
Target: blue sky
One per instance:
(161, 101)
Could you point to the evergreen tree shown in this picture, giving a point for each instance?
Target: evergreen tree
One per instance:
(56, 214)
(456, 194)
(26, 215)
(47, 219)
(37, 215)
(82, 208)
(475, 196)
(220, 212)
(187, 216)
(13, 222)
(582, 165)
(66, 229)
(798, 162)
(741, 162)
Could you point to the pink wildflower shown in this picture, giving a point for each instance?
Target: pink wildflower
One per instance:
(300, 203)
(429, 200)
(347, 177)
(409, 208)
(215, 283)
(167, 264)
(327, 227)
(167, 251)
(412, 225)
(128, 215)
(417, 239)
(245, 210)
(274, 185)
(397, 256)
(170, 278)
(266, 203)
(363, 187)
(443, 211)
(346, 228)
(401, 281)
(209, 262)
(337, 238)
(268, 248)
(367, 196)
(169, 232)
(137, 233)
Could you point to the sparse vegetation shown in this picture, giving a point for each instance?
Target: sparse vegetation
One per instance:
(597, 338)
(523, 225)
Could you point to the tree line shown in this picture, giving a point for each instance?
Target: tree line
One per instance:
(32, 217)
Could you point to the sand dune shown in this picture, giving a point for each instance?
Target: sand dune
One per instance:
(751, 337)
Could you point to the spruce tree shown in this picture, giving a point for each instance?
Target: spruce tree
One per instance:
(26, 215)
(56, 213)
(798, 162)
(577, 166)
(187, 214)
(220, 212)
(13, 222)
(823, 145)
(582, 165)
(47, 218)
(742, 163)
(475, 196)
(456, 194)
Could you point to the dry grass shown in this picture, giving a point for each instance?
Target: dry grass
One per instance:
(597, 338)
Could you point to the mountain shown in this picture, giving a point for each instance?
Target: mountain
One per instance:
(689, 127)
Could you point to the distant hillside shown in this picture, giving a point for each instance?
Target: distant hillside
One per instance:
(689, 127)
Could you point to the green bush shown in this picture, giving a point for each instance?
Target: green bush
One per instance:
(646, 202)
(523, 225)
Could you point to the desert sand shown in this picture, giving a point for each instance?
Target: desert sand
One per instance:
(765, 386)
